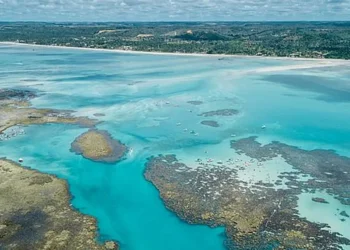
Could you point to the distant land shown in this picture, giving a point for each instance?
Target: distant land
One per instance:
(277, 39)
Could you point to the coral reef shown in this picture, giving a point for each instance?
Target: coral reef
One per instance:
(98, 145)
(329, 170)
(36, 213)
(213, 124)
(195, 102)
(255, 217)
(15, 110)
(220, 112)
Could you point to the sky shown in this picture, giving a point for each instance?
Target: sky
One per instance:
(174, 10)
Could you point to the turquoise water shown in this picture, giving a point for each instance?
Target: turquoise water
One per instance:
(126, 206)
(144, 98)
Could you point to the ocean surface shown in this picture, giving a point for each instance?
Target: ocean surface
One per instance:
(145, 102)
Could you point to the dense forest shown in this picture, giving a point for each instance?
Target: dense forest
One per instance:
(291, 39)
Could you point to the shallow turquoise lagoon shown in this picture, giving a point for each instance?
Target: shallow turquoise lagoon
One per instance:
(126, 206)
(144, 98)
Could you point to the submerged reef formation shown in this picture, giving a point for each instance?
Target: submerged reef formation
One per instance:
(195, 102)
(220, 112)
(210, 123)
(320, 200)
(99, 114)
(330, 171)
(98, 145)
(256, 215)
(343, 213)
(35, 213)
(15, 110)
(15, 94)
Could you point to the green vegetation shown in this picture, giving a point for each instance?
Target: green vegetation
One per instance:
(292, 39)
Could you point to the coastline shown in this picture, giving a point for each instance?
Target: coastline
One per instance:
(177, 53)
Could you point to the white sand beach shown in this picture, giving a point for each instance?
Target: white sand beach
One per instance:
(318, 60)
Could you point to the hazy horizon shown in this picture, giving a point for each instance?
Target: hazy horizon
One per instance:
(176, 21)
(173, 10)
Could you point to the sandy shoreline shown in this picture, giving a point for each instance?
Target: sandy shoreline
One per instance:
(177, 54)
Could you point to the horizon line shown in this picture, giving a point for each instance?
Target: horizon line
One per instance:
(266, 21)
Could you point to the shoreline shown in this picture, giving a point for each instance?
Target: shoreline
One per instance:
(177, 53)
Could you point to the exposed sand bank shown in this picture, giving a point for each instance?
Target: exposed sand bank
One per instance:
(98, 145)
(320, 64)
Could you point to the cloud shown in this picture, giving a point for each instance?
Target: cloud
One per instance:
(173, 10)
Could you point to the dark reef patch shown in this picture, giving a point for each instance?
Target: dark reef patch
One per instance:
(16, 94)
(320, 200)
(343, 213)
(195, 102)
(220, 112)
(99, 114)
(210, 123)
(29, 80)
(24, 228)
(40, 180)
